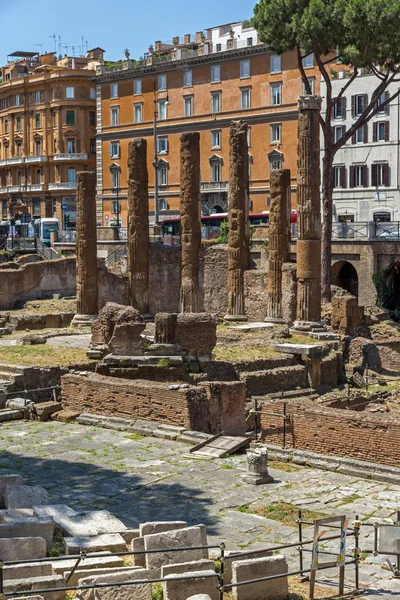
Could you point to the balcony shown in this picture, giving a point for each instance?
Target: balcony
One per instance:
(16, 189)
(214, 186)
(15, 161)
(73, 156)
(68, 185)
(36, 159)
(35, 187)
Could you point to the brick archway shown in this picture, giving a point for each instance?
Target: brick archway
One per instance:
(344, 275)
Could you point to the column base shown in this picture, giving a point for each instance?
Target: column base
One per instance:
(308, 326)
(237, 318)
(83, 320)
(277, 320)
(253, 480)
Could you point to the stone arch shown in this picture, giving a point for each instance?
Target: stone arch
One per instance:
(344, 275)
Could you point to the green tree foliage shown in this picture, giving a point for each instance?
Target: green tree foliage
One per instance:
(363, 34)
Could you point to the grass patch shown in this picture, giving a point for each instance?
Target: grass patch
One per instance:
(232, 353)
(135, 436)
(351, 499)
(282, 466)
(283, 512)
(42, 356)
(58, 547)
(298, 338)
(157, 591)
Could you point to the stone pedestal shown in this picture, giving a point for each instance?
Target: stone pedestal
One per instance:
(308, 216)
(279, 242)
(86, 250)
(238, 203)
(138, 226)
(190, 221)
(257, 466)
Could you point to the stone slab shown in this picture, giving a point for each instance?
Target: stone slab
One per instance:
(24, 496)
(107, 541)
(23, 548)
(129, 592)
(198, 582)
(60, 566)
(188, 567)
(43, 410)
(137, 545)
(6, 480)
(37, 583)
(10, 514)
(310, 350)
(33, 569)
(239, 555)
(190, 536)
(27, 527)
(11, 415)
(252, 326)
(83, 573)
(159, 527)
(275, 589)
(129, 535)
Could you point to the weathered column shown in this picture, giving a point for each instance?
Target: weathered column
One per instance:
(138, 225)
(190, 221)
(238, 207)
(278, 241)
(308, 215)
(86, 249)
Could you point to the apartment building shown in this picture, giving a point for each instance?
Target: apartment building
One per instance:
(366, 168)
(200, 83)
(47, 132)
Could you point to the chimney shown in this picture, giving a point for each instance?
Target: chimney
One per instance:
(157, 46)
(186, 39)
(175, 40)
(199, 35)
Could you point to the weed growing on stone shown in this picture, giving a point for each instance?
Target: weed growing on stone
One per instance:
(283, 512)
(58, 547)
(351, 499)
(157, 591)
(135, 436)
(282, 466)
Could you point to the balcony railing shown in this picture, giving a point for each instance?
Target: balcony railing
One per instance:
(14, 189)
(15, 161)
(208, 186)
(36, 159)
(68, 185)
(71, 156)
(35, 187)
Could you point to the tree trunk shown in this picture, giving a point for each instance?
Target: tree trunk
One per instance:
(327, 210)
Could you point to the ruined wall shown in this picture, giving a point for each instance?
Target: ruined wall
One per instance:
(329, 431)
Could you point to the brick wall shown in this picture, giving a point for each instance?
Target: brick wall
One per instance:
(209, 407)
(372, 438)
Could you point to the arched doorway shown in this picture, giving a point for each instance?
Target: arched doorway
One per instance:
(345, 276)
(216, 209)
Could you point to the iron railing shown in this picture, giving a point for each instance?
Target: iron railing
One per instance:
(46, 251)
(351, 231)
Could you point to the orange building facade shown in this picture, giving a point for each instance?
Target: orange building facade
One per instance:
(47, 133)
(224, 74)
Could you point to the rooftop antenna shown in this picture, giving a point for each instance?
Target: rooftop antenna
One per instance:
(73, 50)
(41, 47)
(59, 46)
(82, 48)
(87, 46)
(55, 42)
(65, 46)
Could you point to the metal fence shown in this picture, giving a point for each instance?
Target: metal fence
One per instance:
(350, 231)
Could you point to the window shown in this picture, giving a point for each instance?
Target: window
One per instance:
(114, 149)
(358, 176)
(4, 209)
(216, 98)
(54, 118)
(71, 145)
(92, 117)
(245, 98)
(37, 121)
(6, 126)
(382, 99)
(19, 177)
(337, 133)
(216, 139)
(17, 100)
(70, 117)
(116, 206)
(275, 63)
(162, 110)
(359, 104)
(275, 163)
(38, 176)
(70, 93)
(216, 171)
(162, 173)
(36, 207)
(163, 204)
(244, 68)
(53, 94)
(188, 106)
(115, 115)
(92, 147)
(249, 136)
(114, 90)
(162, 82)
(215, 73)
(18, 126)
(137, 87)
(93, 93)
(381, 131)
(138, 112)
(6, 150)
(187, 78)
(162, 144)
(339, 177)
(38, 148)
(308, 61)
(115, 184)
(218, 47)
(311, 84)
(339, 108)
(359, 136)
(71, 175)
(276, 94)
(19, 149)
(249, 41)
(276, 133)
(37, 97)
(380, 174)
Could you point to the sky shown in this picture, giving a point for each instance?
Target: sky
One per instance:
(111, 24)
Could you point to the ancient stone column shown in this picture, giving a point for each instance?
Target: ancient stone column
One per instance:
(138, 225)
(278, 241)
(308, 215)
(238, 207)
(190, 221)
(86, 249)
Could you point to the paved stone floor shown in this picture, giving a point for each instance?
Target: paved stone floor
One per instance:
(144, 479)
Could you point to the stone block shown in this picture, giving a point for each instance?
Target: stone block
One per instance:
(160, 526)
(43, 410)
(137, 592)
(24, 496)
(37, 583)
(310, 350)
(34, 569)
(129, 535)
(107, 541)
(27, 597)
(81, 524)
(83, 573)
(10, 514)
(23, 548)
(6, 480)
(60, 566)
(190, 536)
(126, 340)
(188, 567)
(137, 545)
(246, 570)
(196, 333)
(18, 403)
(27, 527)
(199, 597)
(239, 555)
(200, 582)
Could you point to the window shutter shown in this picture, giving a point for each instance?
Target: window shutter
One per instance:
(386, 174)
(343, 101)
(365, 176)
(166, 145)
(343, 177)
(365, 134)
(352, 173)
(333, 134)
(353, 138)
(111, 152)
(387, 125)
(374, 132)
(353, 106)
(373, 175)
(387, 107)
(365, 101)
(333, 176)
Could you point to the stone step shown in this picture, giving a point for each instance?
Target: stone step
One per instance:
(107, 541)
(30, 584)
(27, 527)
(325, 335)
(11, 415)
(82, 573)
(7, 375)
(28, 570)
(23, 548)
(101, 562)
(302, 393)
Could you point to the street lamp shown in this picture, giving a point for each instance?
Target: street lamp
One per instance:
(115, 171)
(156, 164)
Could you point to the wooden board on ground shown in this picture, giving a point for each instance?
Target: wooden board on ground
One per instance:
(220, 446)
